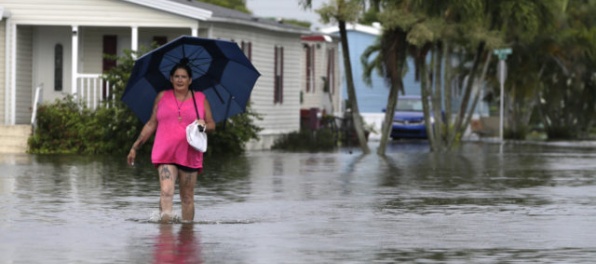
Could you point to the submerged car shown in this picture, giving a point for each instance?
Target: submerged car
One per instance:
(408, 121)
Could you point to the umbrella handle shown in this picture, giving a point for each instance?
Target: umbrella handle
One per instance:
(230, 97)
(228, 106)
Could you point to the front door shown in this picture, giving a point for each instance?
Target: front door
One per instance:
(110, 47)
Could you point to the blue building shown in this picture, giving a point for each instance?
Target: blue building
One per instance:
(371, 99)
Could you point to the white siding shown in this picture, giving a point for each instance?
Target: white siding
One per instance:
(317, 98)
(91, 49)
(2, 71)
(277, 118)
(24, 78)
(91, 13)
(146, 35)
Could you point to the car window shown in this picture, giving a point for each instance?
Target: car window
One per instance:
(414, 105)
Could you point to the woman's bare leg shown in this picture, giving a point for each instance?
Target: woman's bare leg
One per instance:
(187, 192)
(167, 181)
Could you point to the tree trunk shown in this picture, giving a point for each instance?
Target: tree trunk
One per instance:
(389, 114)
(425, 95)
(458, 126)
(357, 119)
(478, 85)
(393, 44)
(436, 99)
(447, 54)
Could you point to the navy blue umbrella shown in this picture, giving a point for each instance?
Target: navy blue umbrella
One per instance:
(219, 69)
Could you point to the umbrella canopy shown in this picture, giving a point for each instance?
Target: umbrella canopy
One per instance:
(219, 69)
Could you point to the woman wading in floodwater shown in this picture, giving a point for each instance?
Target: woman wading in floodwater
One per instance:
(173, 157)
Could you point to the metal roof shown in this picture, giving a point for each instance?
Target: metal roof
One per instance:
(372, 30)
(176, 8)
(226, 15)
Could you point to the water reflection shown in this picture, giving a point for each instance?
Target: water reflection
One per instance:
(488, 255)
(473, 180)
(224, 180)
(528, 204)
(181, 247)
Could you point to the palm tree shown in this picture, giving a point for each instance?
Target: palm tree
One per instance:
(520, 24)
(390, 62)
(566, 85)
(475, 27)
(417, 28)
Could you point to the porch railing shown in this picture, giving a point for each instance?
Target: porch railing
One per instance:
(36, 101)
(92, 90)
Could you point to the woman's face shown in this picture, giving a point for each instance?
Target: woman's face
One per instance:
(180, 80)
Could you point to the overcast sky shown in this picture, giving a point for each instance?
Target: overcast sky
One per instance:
(286, 9)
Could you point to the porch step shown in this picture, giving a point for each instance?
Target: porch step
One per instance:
(13, 139)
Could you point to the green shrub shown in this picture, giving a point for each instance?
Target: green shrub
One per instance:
(59, 127)
(230, 137)
(307, 140)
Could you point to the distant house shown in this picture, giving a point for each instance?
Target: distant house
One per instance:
(60, 45)
(371, 99)
(320, 79)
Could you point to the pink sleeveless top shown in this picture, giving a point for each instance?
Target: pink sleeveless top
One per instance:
(170, 145)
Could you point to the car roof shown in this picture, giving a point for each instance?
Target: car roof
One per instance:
(409, 97)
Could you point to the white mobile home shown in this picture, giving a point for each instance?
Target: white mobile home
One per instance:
(321, 76)
(59, 45)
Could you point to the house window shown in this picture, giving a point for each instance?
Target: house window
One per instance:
(278, 85)
(246, 47)
(58, 66)
(110, 48)
(330, 82)
(310, 68)
(160, 40)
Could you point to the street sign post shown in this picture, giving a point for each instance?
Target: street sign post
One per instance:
(502, 54)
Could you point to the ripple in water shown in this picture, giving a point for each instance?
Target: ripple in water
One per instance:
(155, 218)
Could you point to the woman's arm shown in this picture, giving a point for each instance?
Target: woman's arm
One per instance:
(146, 133)
(209, 122)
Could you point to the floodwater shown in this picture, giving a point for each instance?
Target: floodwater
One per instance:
(484, 204)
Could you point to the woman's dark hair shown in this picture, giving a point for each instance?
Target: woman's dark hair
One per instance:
(181, 66)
